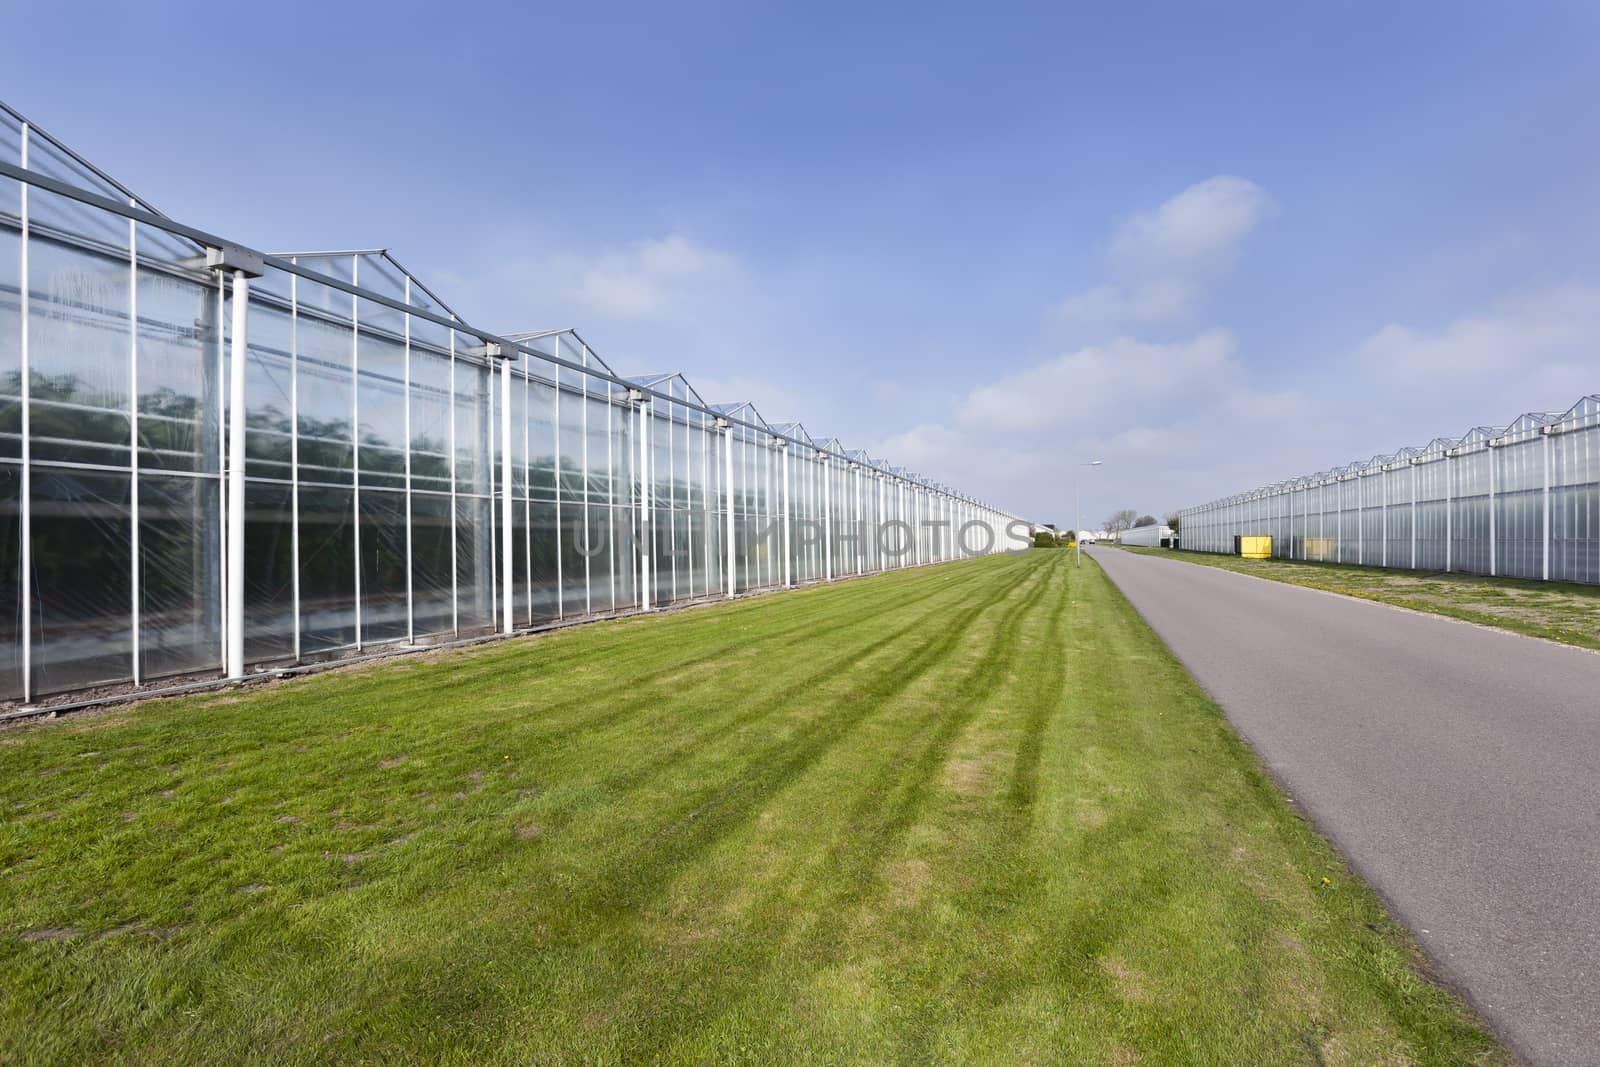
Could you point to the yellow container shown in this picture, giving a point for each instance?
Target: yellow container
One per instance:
(1255, 547)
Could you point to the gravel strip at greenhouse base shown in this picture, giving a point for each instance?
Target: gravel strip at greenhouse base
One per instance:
(1457, 767)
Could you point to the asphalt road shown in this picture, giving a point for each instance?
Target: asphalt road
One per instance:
(1456, 767)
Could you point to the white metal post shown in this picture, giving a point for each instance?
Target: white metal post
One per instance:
(26, 561)
(783, 449)
(1547, 465)
(647, 547)
(235, 583)
(727, 492)
(507, 584)
(827, 517)
(411, 614)
(1449, 509)
(1414, 477)
(1489, 454)
(355, 427)
(861, 531)
(133, 440)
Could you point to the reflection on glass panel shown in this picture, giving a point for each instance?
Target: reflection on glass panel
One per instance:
(327, 568)
(430, 407)
(472, 423)
(381, 401)
(10, 584)
(541, 436)
(178, 372)
(542, 569)
(474, 564)
(323, 353)
(574, 575)
(268, 388)
(570, 455)
(82, 615)
(78, 330)
(180, 575)
(269, 570)
(597, 454)
(383, 565)
(10, 336)
(431, 537)
(598, 548)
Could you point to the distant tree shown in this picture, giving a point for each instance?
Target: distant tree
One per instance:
(1120, 520)
(1144, 520)
(1174, 520)
(1068, 536)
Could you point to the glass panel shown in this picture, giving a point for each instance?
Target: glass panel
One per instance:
(180, 575)
(269, 570)
(381, 401)
(10, 585)
(383, 565)
(323, 351)
(178, 368)
(82, 605)
(327, 568)
(10, 333)
(78, 332)
(431, 537)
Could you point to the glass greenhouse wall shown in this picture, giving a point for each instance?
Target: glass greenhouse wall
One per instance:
(215, 462)
(1519, 502)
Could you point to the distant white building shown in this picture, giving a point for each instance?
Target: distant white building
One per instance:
(1157, 536)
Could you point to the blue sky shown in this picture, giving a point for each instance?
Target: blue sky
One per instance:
(1212, 245)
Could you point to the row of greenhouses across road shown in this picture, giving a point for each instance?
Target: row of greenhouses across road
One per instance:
(1521, 502)
(215, 461)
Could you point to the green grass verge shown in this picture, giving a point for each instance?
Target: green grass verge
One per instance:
(972, 813)
(1556, 611)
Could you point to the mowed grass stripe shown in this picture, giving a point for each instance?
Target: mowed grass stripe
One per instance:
(971, 813)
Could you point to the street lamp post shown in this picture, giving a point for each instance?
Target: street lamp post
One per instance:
(1077, 514)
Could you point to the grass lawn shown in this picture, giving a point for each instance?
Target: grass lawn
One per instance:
(1557, 611)
(972, 813)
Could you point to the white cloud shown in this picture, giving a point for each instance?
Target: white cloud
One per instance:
(1165, 261)
(1551, 334)
(643, 280)
(1197, 233)
(1099, 383)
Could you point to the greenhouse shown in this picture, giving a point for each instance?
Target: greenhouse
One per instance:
(1518, 502)
(216, 462)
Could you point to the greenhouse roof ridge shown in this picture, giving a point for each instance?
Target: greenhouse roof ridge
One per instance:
(73, 176)
(1585, 411)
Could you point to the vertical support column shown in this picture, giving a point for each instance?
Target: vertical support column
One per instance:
(783, 450)
(1548, 460)
(1414, 477)
(507, 540)
(455, 530)
(294, 457)
(646, 503)
(26, 562)
(1489, 454)
(827, 517)
(861, 528)
(1384, 553)
(878, 539)
(242, 265)
(405, 393)
(561, 581)
(235, 585)
(1449, 509)
(134, 569)
(727, 493)
(355, 427)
